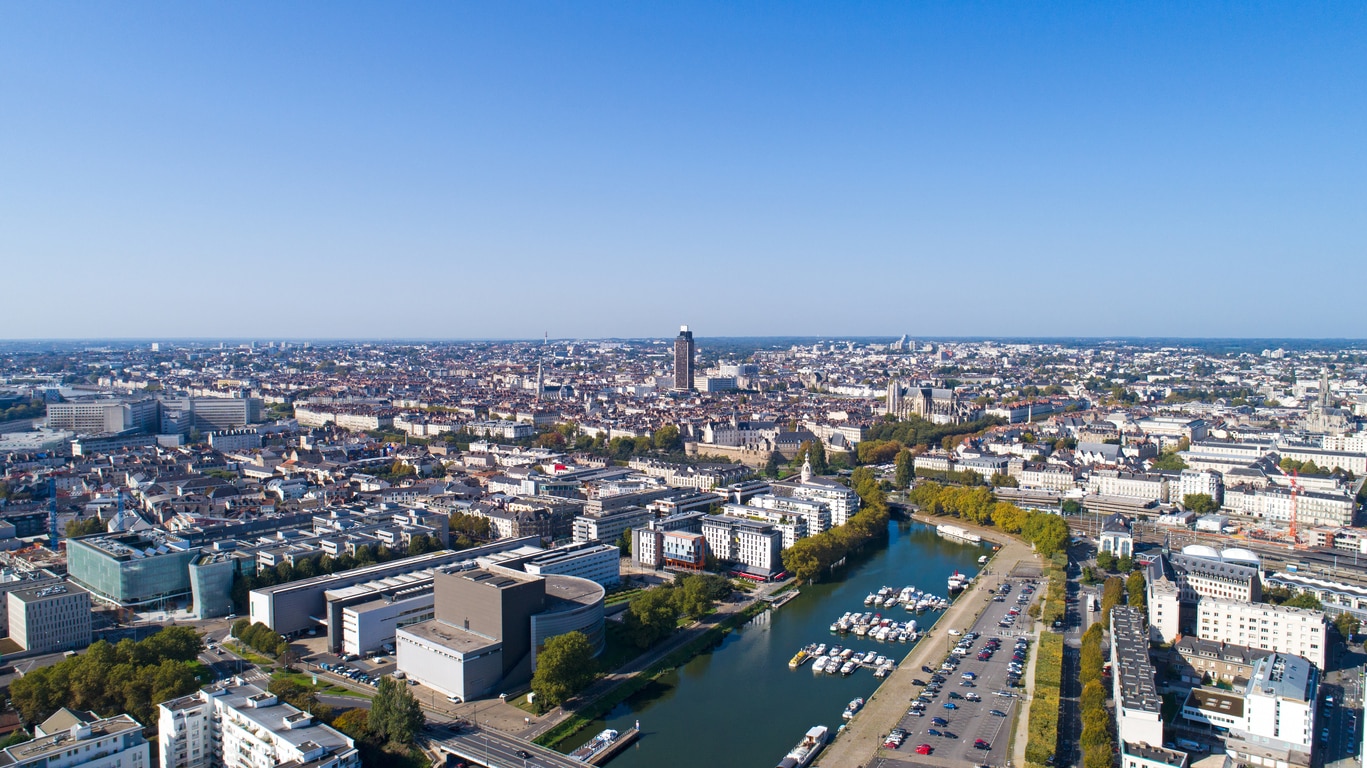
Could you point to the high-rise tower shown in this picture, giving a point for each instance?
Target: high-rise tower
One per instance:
(683, 359)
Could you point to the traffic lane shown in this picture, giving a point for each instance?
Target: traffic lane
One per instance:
(971, 720)
(504, 750)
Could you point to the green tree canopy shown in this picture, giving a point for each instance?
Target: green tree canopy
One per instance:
(651, 616)
(395, 715)
(1200, 503)
(564, 667)
(905, 463)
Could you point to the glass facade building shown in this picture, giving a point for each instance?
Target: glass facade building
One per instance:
(131, 569)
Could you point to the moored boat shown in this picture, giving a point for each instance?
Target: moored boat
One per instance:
(807, 749)
(596, 745)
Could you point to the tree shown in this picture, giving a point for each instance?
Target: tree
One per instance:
(1305, 600)
(667, 438)
(563, 668)
(1200, 503)
(1105, 560)
(624, 543)
(1137, 587)
(84, 527)
(1347, 624)
(1110, 596)
(354, 723)
(1170, 462)
(1049, 533)
(774, 466)
(395, 716)
(696, 593)
(905, 469)
(1002, 480)
(1124, 564)
(651, 616)
(816, 454)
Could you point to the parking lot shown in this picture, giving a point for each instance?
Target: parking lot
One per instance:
(966, 718)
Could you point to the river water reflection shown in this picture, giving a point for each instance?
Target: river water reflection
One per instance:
(741, 705)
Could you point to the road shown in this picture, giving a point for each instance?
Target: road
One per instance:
(494, 749)
(1077, 619)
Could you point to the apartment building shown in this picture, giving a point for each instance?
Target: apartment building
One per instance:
(1138, 709)
(1278, 629)
(238, 725)
(68, 739)
(755, 545)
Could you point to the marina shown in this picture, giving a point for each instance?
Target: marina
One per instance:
(777, 656)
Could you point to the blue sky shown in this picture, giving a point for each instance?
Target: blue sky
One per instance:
(461, 170)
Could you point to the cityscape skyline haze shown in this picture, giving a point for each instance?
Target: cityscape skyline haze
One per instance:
(443, 172)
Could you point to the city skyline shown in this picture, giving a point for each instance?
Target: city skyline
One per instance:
(493, 172)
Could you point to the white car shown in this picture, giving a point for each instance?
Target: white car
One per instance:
(955, 632)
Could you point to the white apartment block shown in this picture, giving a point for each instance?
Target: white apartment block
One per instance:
(1205, 577)
(748, 542)
(842, 501)
(1327, 460)
(1111, 482)
(1138, 709)
(1047, 479)
(1271, 722)
(242, 726)
(1195, 481)
(1297, 631)
(817, 514)
(114, 742)
(791, 526)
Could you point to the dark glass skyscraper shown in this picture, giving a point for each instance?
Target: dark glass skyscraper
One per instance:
(683, 359)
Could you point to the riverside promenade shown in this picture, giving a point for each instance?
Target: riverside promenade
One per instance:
(861, 744)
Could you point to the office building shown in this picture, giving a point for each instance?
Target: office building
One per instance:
(53, 617)
(132, 569)
(607, 527)
(89, 417)
(68, 739)
(290, 608)
(683, 359)
(239, 725)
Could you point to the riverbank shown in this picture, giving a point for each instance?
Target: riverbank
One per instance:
(862, 740)
(553, 734)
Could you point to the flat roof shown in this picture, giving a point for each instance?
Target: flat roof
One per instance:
(1284, 676)
(451, 637)
(1215, 700)
(62, 741)
(1131, 643)
(46, 592)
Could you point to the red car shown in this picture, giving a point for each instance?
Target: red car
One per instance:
(923, 749)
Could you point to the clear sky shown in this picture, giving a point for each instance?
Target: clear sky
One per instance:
(504, 169)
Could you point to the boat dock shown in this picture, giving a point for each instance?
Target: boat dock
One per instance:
(626, 739)
(778, 601)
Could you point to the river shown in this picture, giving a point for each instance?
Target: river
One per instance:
(740, 704)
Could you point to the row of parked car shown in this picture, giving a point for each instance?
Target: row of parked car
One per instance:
(349, 672)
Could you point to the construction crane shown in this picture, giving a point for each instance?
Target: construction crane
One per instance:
(1295, 508)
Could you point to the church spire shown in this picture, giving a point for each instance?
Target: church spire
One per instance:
(806, 469)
